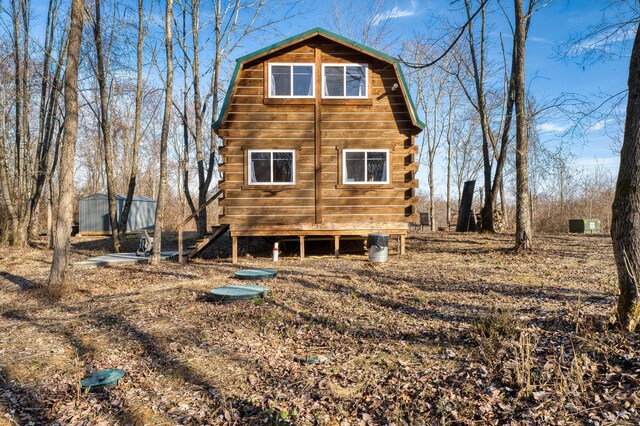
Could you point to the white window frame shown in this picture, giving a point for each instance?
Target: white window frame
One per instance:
(291, 65)
(344, 81)
(366, 151)
(250, 166)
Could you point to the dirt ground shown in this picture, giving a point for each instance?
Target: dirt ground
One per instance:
(458, 331)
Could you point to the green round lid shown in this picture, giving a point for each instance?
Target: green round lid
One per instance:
(102, 378)
(236, 292)
(255, 274)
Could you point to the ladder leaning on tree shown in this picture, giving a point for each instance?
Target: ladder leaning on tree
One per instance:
(209, 237)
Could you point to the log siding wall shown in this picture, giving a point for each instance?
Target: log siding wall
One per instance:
(318, 129)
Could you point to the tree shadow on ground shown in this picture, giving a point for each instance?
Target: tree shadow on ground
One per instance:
(24, 404)
(22, 282)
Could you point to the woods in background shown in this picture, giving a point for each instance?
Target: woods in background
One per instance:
(104, 113)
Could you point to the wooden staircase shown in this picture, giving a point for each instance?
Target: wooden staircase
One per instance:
(209, 237)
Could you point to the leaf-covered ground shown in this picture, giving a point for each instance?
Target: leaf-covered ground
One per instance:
(458, 331)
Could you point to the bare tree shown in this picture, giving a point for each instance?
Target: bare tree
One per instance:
(435, 98)
(523, 214)
(133, 172)
(166, 120)
(371, 26)
(626, 204)
(105, 126)
(57, 276)
(231, 21)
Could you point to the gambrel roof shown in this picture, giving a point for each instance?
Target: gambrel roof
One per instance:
(330, 36)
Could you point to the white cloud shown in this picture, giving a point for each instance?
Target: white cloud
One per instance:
(606, 162)
(551, 128)
(539, 39)
(394, 13)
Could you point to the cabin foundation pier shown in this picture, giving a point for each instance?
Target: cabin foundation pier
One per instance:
(305, 232)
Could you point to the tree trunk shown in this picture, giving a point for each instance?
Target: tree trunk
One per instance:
(448, 182)
(105, 126)
(523, 217)
(432, 203)
(162, 187)
(57, 276)
(625, 221)
(133, 174)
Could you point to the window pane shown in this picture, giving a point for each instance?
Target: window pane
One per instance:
(354, 167)
(356, 81)
(281, 80)
(260, 167)
(283, 167)
(334, 81)
(376, 167)
(302, 80)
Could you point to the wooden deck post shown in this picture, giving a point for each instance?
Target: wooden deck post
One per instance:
(234, 249)
(180, 257)
(337, 246)
(302, 247)
(402, 238)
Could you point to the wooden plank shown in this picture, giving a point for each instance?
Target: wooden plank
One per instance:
(265, 220)
(266, 133)
(318, 140)
(332, 191)
(264, 194)
(270, 116)
(234, 249)
(362, 134)
(364, 210)
(267, 125)
(247, 107)
(326, 228)
(369, 201)
(367, 123)
(349, 218)
(268, 211)
(301, 247)
(248, 201)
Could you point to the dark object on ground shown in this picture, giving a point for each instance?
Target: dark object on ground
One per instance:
(378, 245)
(314, 360)
(102, 379)
(584, 226)
(255, 274)
(146, 244)
(464, 212)
(236, 292)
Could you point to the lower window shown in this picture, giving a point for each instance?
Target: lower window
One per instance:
(275, 167)
(365, 166)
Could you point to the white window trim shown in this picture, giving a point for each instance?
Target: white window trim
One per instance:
(366, 151)
(344, 82)
(250, 166)
(292, 64)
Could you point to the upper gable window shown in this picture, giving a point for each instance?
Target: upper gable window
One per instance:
(291, 80)
(344, 81)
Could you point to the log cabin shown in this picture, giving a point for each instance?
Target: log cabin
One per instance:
(318, 141)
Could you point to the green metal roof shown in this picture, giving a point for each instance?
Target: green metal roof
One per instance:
(308, 34)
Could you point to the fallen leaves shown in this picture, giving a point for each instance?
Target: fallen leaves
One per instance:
(435, 336)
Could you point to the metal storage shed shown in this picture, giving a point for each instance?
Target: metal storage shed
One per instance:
(94, 213)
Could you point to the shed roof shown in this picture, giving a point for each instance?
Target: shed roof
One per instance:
(119, 197)
(331, 36)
